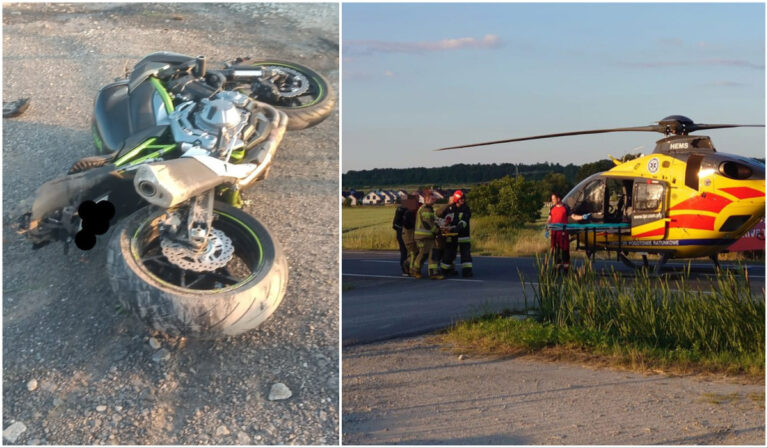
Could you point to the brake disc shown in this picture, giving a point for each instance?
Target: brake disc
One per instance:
(298, 86)
(216, 255)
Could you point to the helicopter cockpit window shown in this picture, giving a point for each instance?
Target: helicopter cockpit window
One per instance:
(649, 197)
(592, 198)
(735, 170)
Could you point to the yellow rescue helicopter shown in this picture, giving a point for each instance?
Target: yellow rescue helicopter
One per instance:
(684, 200)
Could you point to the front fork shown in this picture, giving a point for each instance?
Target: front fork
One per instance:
(200, 219)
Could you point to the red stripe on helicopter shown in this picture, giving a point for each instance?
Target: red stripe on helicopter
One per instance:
(743, 192)
(655, 232)
(709, 202)
(693, 222)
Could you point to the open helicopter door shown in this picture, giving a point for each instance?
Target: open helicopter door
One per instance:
(649, 209)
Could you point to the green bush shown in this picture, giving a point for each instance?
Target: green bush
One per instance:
(513, 198)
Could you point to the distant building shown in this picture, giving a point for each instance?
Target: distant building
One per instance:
(373, 198)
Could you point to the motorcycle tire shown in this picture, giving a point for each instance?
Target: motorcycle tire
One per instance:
(162, 299)
(313, 112)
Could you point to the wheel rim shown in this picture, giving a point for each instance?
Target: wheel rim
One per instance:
(246, 263)
(314, 94)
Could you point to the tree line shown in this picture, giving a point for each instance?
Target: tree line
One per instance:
(463, 174)
(460, 173)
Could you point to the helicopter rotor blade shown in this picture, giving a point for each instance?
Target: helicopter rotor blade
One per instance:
(720, 126)
(651, 128)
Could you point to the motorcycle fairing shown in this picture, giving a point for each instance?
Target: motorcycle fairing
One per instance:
(124, 119)
(68, 192)
(156, 64)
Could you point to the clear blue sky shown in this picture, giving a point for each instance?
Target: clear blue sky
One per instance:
(421, 76)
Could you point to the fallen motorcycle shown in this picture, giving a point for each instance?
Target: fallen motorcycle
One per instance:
(176, 143)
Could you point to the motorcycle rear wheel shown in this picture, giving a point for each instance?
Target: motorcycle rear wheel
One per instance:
(178, 302)
(308, 109)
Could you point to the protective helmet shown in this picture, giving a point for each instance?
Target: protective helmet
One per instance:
(458, 194)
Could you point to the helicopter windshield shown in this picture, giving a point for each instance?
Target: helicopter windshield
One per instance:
(587, 196)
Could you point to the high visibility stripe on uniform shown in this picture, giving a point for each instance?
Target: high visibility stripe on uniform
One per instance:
(423, 232)
(466, 265)
(464, 239)
(432, 266)
(446, 266)
(463, 223)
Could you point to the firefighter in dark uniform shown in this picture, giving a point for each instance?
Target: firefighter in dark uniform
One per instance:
(425, 232)
(397, 225)
(462, 226)
(449, 214)
(411, 205)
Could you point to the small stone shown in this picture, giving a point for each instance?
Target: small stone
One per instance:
(161, 355)
(57, 402)
(118, 408)
(101, 408)
(13, 432)
(243, 438)
(279, 391)
(31, 384)
(154, 343)
(222, 431)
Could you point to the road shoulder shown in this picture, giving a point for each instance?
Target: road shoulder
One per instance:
(413, 392)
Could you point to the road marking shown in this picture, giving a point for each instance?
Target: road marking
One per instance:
(407, 278)
(379, 276)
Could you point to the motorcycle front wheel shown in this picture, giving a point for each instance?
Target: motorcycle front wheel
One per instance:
(309, 108)
(207, 305)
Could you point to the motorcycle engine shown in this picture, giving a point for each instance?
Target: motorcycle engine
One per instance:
(211, 121)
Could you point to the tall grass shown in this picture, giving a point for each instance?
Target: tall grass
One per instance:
(641, 322)
(660, 313)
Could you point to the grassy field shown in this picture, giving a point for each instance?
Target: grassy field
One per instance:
(641, 323)
(370, 228)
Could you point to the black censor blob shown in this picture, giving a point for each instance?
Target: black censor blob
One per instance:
(95, 222)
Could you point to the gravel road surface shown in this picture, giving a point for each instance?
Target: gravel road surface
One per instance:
(78, 371)
(411, 392)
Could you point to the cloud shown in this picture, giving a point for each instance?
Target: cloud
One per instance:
(724, 83)
(670, 42)
(388, 74)
(698, 62)
(356, 75)
(381, 46)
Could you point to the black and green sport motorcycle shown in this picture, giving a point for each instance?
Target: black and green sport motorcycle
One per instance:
(177, 142)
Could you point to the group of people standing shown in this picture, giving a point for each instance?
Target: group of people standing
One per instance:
(424, 234)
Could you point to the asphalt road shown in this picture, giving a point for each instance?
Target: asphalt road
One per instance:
(78, 371)
(378, 304)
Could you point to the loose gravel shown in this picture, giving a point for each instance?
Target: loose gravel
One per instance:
(76, 368)
(412, 392)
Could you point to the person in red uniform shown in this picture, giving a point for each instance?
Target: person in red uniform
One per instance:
(560, 241)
